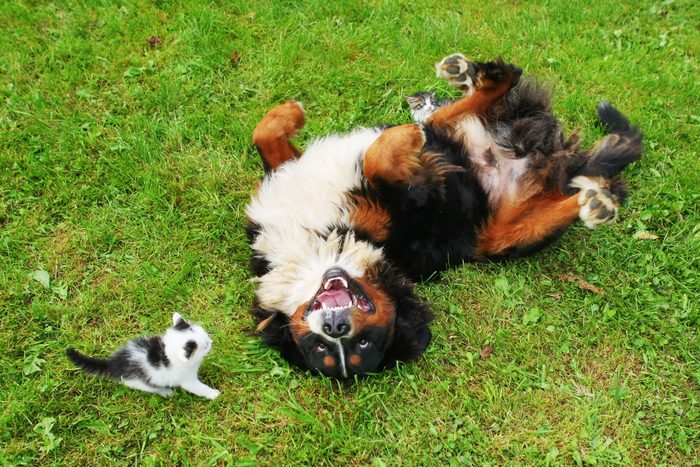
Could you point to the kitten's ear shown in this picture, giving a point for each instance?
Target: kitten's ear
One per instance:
(413, 100)
(179, 322)
(432, 95)
(188, 350)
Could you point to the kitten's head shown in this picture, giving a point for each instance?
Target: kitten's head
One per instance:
(422, 105)
(187, 343)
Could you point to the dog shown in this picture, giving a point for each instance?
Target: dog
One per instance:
(340, 233)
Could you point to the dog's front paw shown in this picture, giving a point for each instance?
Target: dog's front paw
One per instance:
(458, 71)
(598, 204)
(289, 117)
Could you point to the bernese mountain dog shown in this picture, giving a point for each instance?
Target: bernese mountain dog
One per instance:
(340, 233)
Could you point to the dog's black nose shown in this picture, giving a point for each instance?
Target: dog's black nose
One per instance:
(336, 324)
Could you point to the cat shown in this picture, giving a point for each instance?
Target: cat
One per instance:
(157, 364)
(423, 104)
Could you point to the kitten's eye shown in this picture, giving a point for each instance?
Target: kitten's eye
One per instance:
(364, 343)
(321, 348)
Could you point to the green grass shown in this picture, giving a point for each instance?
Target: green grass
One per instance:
(125, 170)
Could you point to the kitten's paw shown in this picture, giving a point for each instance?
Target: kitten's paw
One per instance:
(598, 204)
(166, 392)
(458, 71)
(213, 394)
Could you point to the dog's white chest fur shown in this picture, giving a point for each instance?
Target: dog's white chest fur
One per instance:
(297, 208)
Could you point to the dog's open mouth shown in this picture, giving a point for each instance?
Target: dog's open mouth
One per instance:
(338, 292)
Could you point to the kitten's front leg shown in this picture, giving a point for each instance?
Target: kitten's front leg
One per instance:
(198, 388)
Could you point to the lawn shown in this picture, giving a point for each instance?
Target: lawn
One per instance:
(125, 167)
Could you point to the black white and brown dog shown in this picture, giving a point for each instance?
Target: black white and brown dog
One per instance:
(340, 232)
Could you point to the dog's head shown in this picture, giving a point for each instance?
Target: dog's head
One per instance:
(352, 325)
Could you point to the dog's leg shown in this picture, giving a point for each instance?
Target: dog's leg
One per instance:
(518, 229)
(271, 135)
(483, 85)
(395, 155)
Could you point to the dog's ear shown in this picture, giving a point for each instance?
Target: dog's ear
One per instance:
(274, 326)
(411, 332)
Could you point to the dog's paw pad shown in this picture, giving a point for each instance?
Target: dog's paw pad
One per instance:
(598, 204)
(457, 70)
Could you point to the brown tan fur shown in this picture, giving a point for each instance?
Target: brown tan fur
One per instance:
(485, 95)
(370, 217)
(298, 324)
(526, 222)
(329, 361)
(395, 156)
(384, 314)
(271, 135)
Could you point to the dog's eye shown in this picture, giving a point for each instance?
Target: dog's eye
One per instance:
(364, 304)
(364, 343)
(321, 348)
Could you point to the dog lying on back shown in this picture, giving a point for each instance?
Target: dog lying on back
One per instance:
(339, 233)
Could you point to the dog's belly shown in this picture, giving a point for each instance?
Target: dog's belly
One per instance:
(498, 170)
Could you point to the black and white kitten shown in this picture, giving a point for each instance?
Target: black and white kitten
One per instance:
(423, 104)
(157, 364)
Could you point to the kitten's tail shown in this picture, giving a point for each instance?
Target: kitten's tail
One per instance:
(92, 365)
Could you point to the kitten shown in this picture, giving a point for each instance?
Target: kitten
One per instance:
(157, 364)
(423, 104)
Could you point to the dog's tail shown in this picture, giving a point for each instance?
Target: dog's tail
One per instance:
(92, 365)
(615, 151)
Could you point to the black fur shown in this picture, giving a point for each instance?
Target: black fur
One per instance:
(266, 166)
(432, 227)
(259, 266)
(411, 335)
(617, 150)
(612, 119)
(119, 364)
(155, 350)
(190, 347)
(277, 334)
(182, 325)
(437, 216)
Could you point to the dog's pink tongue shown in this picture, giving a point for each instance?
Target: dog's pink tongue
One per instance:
(335, 298)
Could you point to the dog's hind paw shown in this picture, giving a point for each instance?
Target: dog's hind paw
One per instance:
(598, 204)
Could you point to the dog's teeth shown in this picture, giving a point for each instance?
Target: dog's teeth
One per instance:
(329, 283)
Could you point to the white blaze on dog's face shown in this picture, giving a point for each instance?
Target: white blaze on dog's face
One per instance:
(346, 327)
